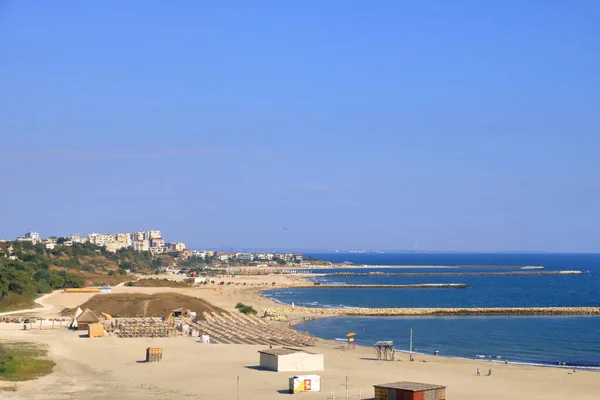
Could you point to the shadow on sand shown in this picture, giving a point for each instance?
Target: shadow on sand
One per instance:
(255, 367)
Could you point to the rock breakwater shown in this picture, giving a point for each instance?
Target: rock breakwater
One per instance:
(497, 273)
(514, 311)
(384, 286)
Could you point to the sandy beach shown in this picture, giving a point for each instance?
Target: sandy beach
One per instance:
(110, 367)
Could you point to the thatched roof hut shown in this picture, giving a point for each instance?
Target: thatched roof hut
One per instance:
(86, 318)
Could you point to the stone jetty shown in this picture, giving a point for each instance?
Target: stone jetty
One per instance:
(491, 273)
(384, 286)
(514, 311)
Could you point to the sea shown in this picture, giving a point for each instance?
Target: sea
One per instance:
(560, 341)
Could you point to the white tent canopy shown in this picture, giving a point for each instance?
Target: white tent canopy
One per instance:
(73, 323)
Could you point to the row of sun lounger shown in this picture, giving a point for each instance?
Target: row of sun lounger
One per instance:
(231, 328)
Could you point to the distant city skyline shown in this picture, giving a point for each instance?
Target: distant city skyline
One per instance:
(229, 249)
(460, 126)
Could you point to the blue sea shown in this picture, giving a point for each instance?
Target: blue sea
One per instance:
(546, 340)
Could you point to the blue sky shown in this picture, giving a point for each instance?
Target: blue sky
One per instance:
(462, 125)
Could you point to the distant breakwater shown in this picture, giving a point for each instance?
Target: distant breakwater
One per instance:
(406, 266)
(385, 286)
(498, 273)
(499, 311)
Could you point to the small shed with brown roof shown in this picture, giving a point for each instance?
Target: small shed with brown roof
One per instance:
(86, 318)
(290, 359)
(409, 391)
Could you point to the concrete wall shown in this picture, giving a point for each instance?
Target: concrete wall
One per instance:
(268, 361)
(296, 362)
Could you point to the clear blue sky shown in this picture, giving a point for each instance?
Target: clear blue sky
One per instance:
(453, 125)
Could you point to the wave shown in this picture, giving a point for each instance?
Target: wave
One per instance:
(583, 366)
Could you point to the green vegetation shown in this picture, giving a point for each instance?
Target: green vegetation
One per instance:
(23, 279)
(197, 262)
(37, 270)
(23, 361)
(158, 283)
(244, 309)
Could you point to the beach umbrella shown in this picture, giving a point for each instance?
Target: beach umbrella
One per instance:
(350, 334)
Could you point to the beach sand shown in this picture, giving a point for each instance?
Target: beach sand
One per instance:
(110, 367)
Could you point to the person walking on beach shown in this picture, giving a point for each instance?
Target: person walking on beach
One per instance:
(478, 372)
(490, 372)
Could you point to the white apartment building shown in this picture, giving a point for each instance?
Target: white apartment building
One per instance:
(244, 256)
(141, 245)
(33, 236)
(153, 235)
(138, 236)
(100, 239)
(124, 240)
(178, 246)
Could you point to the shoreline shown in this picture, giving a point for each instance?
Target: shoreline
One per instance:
(473, 311)
(109, 364)
(473, 359)
(489, 359)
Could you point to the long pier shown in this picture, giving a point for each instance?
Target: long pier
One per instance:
(385, 286)
(493, 273)
(414, 312)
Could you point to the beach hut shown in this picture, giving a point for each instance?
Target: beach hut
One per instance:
(154, 354)
(86, 318)
(95, 330)
(409, 391)
(304, 383)
(290, 359)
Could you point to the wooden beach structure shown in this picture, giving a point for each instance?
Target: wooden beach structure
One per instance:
(86, 318)
(153, 354)
(95, 330)
(409, 391)
(385, 350)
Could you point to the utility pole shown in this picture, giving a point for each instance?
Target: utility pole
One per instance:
(410, 348)
(347, 386)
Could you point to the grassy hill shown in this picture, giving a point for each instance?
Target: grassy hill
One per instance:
(37, 270)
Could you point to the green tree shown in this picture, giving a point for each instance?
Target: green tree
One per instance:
(57, 281)
(43, 286)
